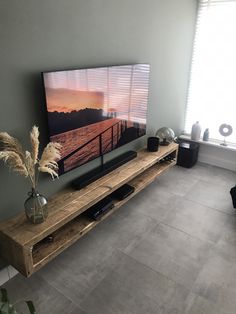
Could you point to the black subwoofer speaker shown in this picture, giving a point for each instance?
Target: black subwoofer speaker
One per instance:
(188, 154)
(153, 144)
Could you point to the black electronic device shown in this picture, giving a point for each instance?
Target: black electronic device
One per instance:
(100, 208)
(98, 172)
(153, 144)
(123, 192)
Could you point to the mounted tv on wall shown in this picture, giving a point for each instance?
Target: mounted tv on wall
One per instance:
(96, 110)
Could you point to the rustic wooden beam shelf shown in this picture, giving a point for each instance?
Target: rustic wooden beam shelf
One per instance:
(28, 247)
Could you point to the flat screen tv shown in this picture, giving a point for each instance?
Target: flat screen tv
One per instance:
(96, 110)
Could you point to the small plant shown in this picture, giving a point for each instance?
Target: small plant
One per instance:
(6, 307)
(28, 163)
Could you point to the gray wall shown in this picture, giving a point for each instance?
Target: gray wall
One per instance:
(56, 34)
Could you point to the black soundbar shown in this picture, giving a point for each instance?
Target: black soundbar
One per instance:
(98, 172)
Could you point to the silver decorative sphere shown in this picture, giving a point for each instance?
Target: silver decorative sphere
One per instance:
(167, 135)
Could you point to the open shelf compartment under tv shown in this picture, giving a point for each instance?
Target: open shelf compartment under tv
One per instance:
(32, 246)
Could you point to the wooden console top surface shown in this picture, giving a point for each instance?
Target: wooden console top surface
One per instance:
(69, 203)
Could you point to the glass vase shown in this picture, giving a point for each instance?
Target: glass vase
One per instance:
(36, 207)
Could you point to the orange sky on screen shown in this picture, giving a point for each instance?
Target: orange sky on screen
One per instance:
(66, 100)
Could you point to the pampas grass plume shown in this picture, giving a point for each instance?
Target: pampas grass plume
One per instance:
(14, 162)
(27, 163)
(48, 163)
(34, 138)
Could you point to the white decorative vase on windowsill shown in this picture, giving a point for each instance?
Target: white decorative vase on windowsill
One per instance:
(196, 131)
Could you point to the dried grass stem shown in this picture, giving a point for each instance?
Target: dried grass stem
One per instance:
(28, 163)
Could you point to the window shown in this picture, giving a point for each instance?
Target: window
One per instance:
(212, 88)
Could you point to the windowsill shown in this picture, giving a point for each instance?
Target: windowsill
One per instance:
(214, 143)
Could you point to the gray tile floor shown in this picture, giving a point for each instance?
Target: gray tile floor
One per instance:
(170, 250)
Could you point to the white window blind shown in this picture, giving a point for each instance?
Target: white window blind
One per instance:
(212, 88)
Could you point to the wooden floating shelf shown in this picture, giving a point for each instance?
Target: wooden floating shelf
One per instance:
(28, 247)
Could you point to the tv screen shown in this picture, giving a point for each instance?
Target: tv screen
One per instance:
(94, 111)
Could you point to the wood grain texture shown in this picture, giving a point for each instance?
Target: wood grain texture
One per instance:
(66, 221)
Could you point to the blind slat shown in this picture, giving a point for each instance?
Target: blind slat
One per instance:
(124, 88)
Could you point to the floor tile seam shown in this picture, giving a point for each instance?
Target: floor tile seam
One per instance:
(162, 221)
(113, 270)
(217, 182)
(202, 180)
(190, 289)
(126, 254)
(169, 191)
(60, 292)
(196, 294)
(127, 212)
(159, 306)
(77, 307)
(206, 165)
(140, 237)
(117, 249)
(99, 282)
(213, 246)
(149, 216)
(177, 194)
(155, 271)
(90, 290)
(212, 208)
(187, 288)
(211, 243)
(208, 181)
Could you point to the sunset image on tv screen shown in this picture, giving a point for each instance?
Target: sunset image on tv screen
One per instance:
(93, 111)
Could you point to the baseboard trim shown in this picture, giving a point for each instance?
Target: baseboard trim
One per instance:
(216, 161)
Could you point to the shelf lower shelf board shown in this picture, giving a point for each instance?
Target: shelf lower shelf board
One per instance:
(29, 247)
(44, 251)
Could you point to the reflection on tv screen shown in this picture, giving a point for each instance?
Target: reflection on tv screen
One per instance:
(94, 111)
